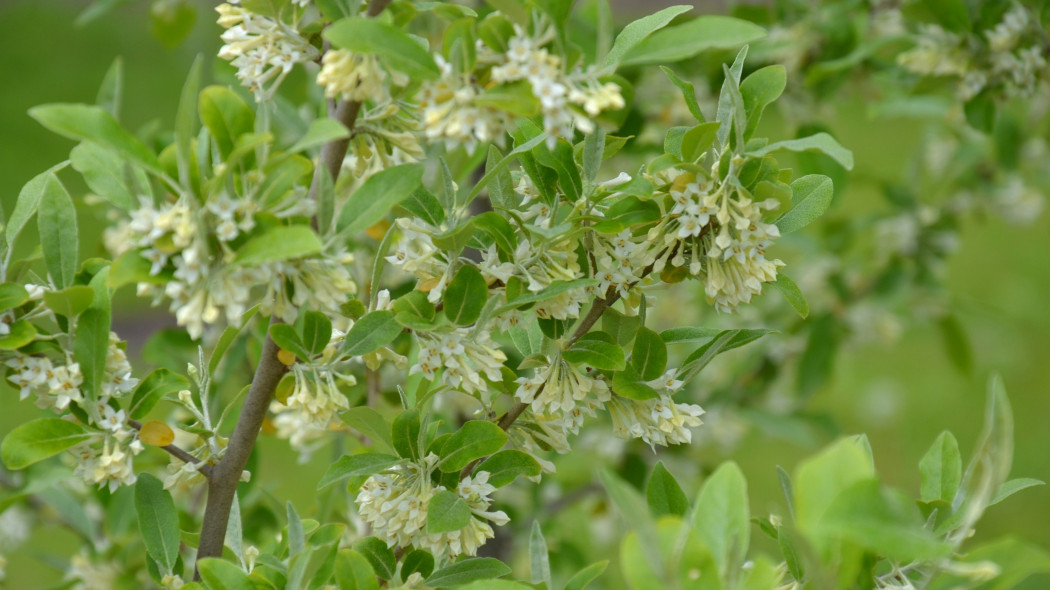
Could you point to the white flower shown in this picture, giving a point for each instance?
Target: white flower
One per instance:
(657, 421)
(462, 358)
(559, 387)
(262, 49)
(351, 76)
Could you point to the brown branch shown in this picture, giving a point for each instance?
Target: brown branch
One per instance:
(178, 453)
(226, 474)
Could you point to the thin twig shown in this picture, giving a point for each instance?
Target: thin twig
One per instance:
(178, 453)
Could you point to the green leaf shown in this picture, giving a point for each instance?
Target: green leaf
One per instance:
(649, 356)
(417, 560)
(283, 242)
(810, 197)
(552, 291)
(370, 333)
(288, 339)
(515, 98)
(698, 139)
(28, 203)
(637, 31)
(688, 93)
(131, 267)
(12, 295)
(405, 432)
(496, 585)
(507, 465)
(723, 519)
(495, 172)
(501, 189)
(229, 334)
(468, 570)
(664, 495)
(593, 150)
(633, 509)
(499, 229)
(390, 43)
(821, 142)
(155, 386)
(379, 556)
(596, 353)
(104, 171)
(473, 440)
(57, 223)
(584, 577)
(171, 22)
(21, 333)
(941, 469)
(353, 572)
(730, 111)
(1013, 486)
(87, 122)
(158, 521)
(357, 465)
(628, 383)
(539, 558)
(792, 293)
(725, 341)
(691, 38)
(321, 131)
(316, 331)
(110, 92)
(91, 346)
(219, 574)
(296, 534)
(186, 117)
(373, 200)
(759, 89)
(446, 512)
(956, 342)
(621, 327)
(820, 479)
(465, 296)
(226, 116)
(37, 440)
(370, 423)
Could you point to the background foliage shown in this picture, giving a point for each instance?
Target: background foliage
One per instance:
(901, 396)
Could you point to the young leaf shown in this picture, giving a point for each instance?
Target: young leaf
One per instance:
(1013, 486)
(637, 31)
(104, 172)
(815, 365)
(317, 331)
(186, 122)
(689, 39)
(649, 356)
(37, 440)
(941, 469)
(12, 295)
(283, 242)
(353, 572)
(405, 432)
(111, 91)
(91, 346)
(28, 203)
(465, 296)
(392, 44)
(584, 577)
(57, 223)
(820, 479)
(370, 423)
(158, 521)
(810, 197)
(93, 123)
(446, 512)
(381, 558)
(357, 465)
(688, 93)
(296, 535)
(467, 570)
(759, 89)
(19, 334)
(377, 196)
(664, 495)
(507, 465)
(792, 293)
(226, 116)
(288, 339)
(597, 354)
(321, 131)
(156, 385)
(723, 519)
(473, 440)
(373, 331)
(821, 142)
(539, 559)
(417, 560)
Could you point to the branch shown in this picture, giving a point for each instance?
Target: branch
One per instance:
(178, 453)
(226, 474)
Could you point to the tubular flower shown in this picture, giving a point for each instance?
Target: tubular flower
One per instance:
(262, 49)
(559, 387)
(657, 421)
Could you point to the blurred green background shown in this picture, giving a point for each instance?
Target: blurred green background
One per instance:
(902, 397)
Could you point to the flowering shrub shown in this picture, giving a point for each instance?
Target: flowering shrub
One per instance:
(457, 254)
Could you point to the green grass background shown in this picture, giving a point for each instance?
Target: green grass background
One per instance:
(1000, 279)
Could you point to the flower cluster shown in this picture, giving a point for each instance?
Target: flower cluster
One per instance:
(1009, 56)
(194, 273)
(657, 421)
(567, 100)
(559, 387)
(385, 136)
(351, 76)
(395, 505)
(263, 50)
(716, 232)
(59, 384)
(462, 357)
